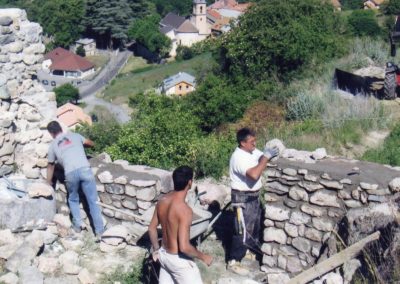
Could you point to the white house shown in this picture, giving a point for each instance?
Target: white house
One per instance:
(179, 84)
(64, 63)
(88, 44)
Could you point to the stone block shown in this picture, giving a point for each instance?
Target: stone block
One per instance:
(315, 211)
(325, 198)
(275, 235)
(276, 212)
(302, 244)
(146, 193)
(297, 193)
(114, 188)
(299, 218)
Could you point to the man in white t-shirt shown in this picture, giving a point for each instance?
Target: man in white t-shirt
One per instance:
(245, 169)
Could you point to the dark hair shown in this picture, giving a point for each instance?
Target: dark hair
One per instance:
(54, 127)
(243, 134)
(181, 177)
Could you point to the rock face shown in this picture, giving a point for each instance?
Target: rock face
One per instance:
(25, 107)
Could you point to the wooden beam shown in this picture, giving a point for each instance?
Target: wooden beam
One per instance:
(334, 261)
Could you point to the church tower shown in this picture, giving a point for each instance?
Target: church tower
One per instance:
(199, 18)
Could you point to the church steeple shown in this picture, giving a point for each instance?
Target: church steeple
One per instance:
(200, 16)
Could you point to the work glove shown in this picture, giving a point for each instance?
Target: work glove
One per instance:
(271, 153)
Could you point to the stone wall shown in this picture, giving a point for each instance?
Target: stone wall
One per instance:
(25, 107)
(133, 189)
(306, 202)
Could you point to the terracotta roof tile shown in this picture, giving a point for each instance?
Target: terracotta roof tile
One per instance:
(62, 59)
(70, 115)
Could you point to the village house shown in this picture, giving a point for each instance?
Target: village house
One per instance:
(72, 116)
(88, 44)
(373, 4)
(64, 63)
(179, 84)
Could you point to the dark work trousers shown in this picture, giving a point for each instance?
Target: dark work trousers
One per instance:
(251, 209)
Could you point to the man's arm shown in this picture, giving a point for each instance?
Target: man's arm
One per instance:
(50, 173)
(255, 172)
(185, 247)
(153, 234)
(88, 143)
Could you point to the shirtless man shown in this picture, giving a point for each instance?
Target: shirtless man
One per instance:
(175, 216)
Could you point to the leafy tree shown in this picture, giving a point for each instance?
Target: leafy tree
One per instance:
(62, 20)
(146, 32)
(218, 101)
(352, 4)
(363, 23)
(66, 93)
(80, 50)
(392, 7)
(103, 134)
(280, 37)
(181, 7)
(184, 53)
(108, 21)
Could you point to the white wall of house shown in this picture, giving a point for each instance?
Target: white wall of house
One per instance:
(170, 91)
(188, 39)
(46, 65)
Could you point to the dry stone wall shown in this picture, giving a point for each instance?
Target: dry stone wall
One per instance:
(129, 188)
(25, 107)
(306, 202)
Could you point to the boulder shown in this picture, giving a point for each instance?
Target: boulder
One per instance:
(37, 189)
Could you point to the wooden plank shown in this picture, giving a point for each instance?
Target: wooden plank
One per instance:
(334, 261)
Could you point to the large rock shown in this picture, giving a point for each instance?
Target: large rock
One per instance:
(69, 262)
(325, 198)
(276, 213)
(146, 193)
(37, 189)
(9, 278)
(48, 265)
(115, 235)
(394, 185)
(213, 192)
(24, 255)
(30, 274)
(5, 21)
(275, 235)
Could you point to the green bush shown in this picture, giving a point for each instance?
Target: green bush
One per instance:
(389, 153)
(352, 4)
(280, 38)
(66, 93)
(304, 106)
(184, 53)
(391, 7)
(134, 275)
(363, 23)
(103, 134)
(81, 51)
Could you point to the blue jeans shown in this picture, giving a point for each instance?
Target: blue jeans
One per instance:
(75, 179)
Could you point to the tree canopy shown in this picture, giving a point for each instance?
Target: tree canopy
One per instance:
(66, 93)
(146, 32)
(280, 37)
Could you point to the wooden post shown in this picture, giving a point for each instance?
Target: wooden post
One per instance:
(334, 261)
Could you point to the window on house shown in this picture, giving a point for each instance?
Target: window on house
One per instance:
(180, 88)
(201, 9)
(187, 87)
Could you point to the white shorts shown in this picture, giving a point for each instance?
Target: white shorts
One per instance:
(176, 269)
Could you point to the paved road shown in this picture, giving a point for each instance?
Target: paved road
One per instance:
(88, 91)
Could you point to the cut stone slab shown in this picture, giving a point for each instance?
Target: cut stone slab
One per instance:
(9, 278)
(37, 189)
(275, 235)
(115, 235)
(325, 198)
(30, 274)
(276, 212)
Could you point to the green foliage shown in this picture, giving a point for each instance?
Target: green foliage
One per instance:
(180, 7)
(352, 4)
(280, 37)
(304, 106)
(103, 133)
(389, 153)
(146, 32)
(217, 101)
(363, 23)
(80, 50)
(159, 136)
(109, 20)
(184, 53)
(392, 7)
(66, 93)
(60, 19)
(134, 275)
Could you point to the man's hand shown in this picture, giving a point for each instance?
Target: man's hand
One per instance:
(207, 259)
(271, 153)
(155, 255)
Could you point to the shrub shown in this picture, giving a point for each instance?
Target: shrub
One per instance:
(389, 152)
(391, 7)
(66, 93)
(363, 23)
(304, 106)
(352, 4)
(81, 51)
(184, 53)
(103, 134)
(280, 37)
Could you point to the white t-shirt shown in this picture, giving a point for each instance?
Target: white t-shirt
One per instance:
(240, 162)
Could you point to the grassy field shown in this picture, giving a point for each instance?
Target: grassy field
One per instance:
(134, 63)
(98, 60)
(149, 76)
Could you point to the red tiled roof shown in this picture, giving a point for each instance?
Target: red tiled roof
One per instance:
(214, 14)
(62, 59)
(70, 115)
(230, 4)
